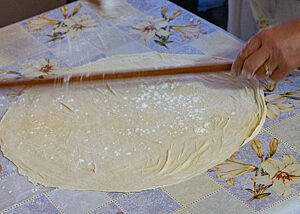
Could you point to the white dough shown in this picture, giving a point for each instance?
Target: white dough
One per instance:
(130, 135)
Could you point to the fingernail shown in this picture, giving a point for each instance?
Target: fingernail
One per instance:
(243, 73)
(246, 74)
(249, 75)
(233, 73)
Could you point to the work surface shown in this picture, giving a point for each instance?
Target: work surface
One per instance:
(34, 45)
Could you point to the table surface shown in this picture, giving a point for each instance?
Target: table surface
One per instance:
(78, 34)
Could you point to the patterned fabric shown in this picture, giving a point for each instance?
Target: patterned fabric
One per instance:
(262, 177)
(246, 17)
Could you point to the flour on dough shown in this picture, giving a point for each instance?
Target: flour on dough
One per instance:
(131, 135)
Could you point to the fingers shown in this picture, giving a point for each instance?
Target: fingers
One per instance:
(272, 51)
(254, 62)
(261, 73)
(282, 69)
(278, 74)
(272, 65)
(253, 45)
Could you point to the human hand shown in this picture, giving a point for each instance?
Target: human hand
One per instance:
(272, 53)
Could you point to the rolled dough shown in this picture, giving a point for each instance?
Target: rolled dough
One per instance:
(131, 135)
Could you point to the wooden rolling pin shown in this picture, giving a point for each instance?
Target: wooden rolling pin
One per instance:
(60, 79)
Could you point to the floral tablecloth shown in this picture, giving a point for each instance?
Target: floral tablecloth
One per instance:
(262, 177)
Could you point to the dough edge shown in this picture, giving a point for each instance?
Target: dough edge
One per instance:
(261, 116)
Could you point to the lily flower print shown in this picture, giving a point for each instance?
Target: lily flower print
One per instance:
(41, 22)
(233, 168)
(189, 31)
(70, 25)
(276, 104)
(40, 67)
(150, 27)
(161, 28)
(281, 174)
(74, 25)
